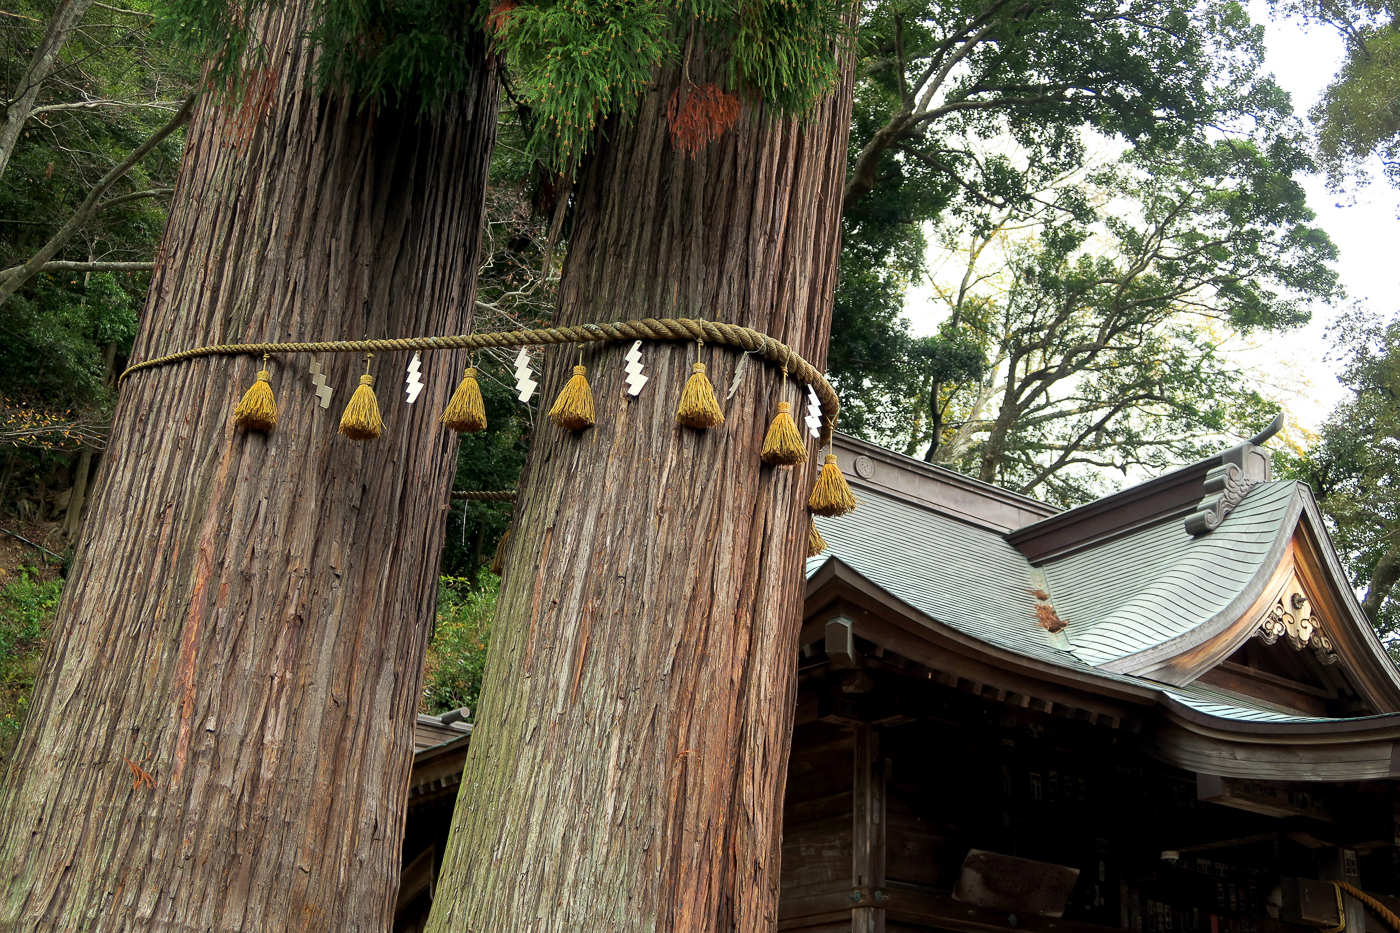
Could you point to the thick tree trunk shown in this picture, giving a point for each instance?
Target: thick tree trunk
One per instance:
(1383, 580)
(73, 519)
(994, 448)
(629, 758)
(246, 617)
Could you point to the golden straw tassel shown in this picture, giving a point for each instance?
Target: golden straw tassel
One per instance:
(816, 544)
(573, 409)
(699, 408)
(783, 446)
(498, 560)
(258, 409)
(466, 412)
(361, 421)
(831, 496)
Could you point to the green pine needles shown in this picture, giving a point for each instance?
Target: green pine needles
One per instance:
(574, 62)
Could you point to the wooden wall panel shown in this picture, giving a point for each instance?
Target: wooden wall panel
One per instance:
(817, 852)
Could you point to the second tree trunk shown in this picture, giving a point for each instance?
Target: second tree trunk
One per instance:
(630, 753)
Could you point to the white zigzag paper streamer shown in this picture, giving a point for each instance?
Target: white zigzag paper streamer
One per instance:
(635, 379)
(318, 379)
(814, 413)
(740, 368)
(523, 383)
(415, 380)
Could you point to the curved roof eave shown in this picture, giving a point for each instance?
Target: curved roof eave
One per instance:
(1302, 512)
(1141, 662)
(1223, 744)
(1380, 659)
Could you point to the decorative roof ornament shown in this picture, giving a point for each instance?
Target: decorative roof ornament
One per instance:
(1241, 469)
(1226, 487)
(1293, 619)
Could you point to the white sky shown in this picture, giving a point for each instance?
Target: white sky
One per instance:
(1363, 224)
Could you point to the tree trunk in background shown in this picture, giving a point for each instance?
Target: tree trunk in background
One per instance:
(73, 518)
(246, 617)
(630, 753)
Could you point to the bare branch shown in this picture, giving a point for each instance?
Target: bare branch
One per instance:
(169, 106)
(136, 196)
(92, 204)
(62, 266)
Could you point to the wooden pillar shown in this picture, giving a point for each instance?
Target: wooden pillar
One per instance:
(868, 833)
(1340, 864)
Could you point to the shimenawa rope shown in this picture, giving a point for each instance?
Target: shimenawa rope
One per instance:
(1381, 910)
(750, 340)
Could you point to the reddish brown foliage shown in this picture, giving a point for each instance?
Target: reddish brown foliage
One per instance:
(497, 17)
(701, 118)
(1048, 620)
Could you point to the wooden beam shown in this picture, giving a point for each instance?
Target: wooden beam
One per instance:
(908, 903)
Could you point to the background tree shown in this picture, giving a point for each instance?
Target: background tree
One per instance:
(1354, 467)
(87, 85)
(246, 613)
(968, 112)
(1104, 327)
(1358, 117)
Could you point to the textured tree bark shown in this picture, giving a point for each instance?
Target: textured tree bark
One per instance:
(246, 617)
(630, 753)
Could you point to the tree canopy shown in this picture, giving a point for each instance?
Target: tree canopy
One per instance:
(976, 120)
(1354, 468)
(1358, 116)
(1101, 312)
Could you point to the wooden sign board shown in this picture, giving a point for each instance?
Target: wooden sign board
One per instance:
(1270, 798)
(1007, 883)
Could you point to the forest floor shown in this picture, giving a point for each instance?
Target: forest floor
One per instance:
(16, 555)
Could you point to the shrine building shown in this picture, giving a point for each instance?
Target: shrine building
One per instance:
(1161, 712)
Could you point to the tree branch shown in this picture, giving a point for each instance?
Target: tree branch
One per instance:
(167, 105)
(63, 266)
(135, 196)
(92, 204)
(62, 22)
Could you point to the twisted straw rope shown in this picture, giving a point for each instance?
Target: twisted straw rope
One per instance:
(1381, 910)
(499, 495)
(752, 341)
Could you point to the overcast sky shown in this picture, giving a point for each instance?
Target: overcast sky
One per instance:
(1363, 225)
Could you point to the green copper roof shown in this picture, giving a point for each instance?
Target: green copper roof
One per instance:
(1162, 585)
(1157, 589)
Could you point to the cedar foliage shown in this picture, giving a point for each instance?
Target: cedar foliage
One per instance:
(571, 62)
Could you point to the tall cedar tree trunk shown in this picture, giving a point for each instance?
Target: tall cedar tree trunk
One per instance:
(630, 753)
(246, 617)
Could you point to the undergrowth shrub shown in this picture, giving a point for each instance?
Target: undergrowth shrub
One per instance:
(27, 607)
(457, 653)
